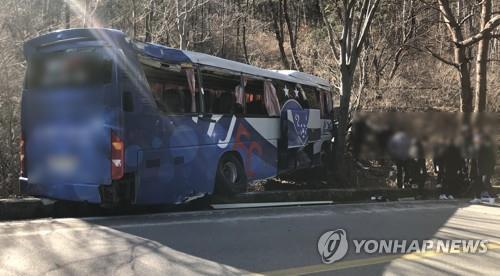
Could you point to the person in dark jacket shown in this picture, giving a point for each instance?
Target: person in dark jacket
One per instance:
(358, 134)
(454, 171)
(417, 169)
(438, 165)
(484, 166)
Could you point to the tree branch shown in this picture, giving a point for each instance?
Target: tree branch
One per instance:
(490, 26)
(331, 34)
(438, 57)
(366, 26)
(470, 15)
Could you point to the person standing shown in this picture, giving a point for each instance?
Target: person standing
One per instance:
(454, 168)
(438, 164)
(399, 148)
(484, 167)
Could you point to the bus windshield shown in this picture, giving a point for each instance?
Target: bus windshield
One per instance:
(76, 67)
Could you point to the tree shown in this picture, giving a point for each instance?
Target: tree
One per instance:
(67, 15)
(149, 21)
(356, 18)
(278, 28)
(134, 19)
(482, 55)
(460, 47)
(292, 34)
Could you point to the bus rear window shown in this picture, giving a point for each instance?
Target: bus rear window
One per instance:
(70, 68)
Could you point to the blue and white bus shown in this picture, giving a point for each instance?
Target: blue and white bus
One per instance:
(109, 120)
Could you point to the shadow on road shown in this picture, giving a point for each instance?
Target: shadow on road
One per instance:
(239, 241)
(268, 240)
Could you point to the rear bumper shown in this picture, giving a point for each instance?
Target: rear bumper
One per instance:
(71, 192)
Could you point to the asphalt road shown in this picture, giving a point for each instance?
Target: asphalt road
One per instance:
(276, 241)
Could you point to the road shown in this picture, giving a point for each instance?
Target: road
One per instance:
(274, 241)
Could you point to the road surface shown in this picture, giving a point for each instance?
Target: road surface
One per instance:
(274, 241)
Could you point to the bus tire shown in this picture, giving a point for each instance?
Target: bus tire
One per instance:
(230, 178)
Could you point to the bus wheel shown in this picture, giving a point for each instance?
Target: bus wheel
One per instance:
(230, 178)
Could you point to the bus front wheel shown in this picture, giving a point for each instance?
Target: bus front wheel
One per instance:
(230, 178)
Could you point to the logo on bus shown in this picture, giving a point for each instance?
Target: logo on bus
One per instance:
(300, 123)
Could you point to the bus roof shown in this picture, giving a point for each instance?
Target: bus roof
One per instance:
(173, 55)
(305, 76)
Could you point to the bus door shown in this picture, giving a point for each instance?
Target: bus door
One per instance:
(300, 132)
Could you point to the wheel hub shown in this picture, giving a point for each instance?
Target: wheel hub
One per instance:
(230, 172)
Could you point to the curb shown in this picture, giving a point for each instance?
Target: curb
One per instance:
(31, 208)
(337, 195)
(22, 208)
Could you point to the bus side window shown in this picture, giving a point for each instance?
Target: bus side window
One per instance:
(254, 98)
(171, 90)
(220, 93)
(309, 97)
(326, 104)
(284, 91)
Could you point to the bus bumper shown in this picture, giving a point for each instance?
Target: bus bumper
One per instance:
(71, 192)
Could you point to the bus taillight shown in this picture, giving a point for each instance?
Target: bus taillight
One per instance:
(22, 161)
(117, 156)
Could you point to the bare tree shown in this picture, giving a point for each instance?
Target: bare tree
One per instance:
(85, 13)
(244, 33)
(292, 34)
(134, 18)
(67, 15)
(356, 18)
(149, 21)
(460, 58)
(482, 58)
(183, 12)
(277, 25)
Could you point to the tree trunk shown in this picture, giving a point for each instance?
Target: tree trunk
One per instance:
(46, 15)
(278, 31)
(134, 18)
(460, 57)
(465, 83)
(351, 46)
(149, 21)
(292, 36)
(482, 60)
(67, 15)
(244, 34)
(223, 46)
(85, 13)
(345, 101)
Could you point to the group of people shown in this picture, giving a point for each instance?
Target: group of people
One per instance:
(466, 168)
(463, 165)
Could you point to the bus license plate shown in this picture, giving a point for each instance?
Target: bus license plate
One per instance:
(62, 163)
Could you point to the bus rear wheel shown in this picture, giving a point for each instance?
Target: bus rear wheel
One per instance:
(230, 177)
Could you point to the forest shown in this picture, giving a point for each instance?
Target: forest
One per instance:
(380, 55)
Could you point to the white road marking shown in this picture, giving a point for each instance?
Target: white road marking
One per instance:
(268, 204)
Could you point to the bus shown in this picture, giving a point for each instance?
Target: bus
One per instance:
(109, 120)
